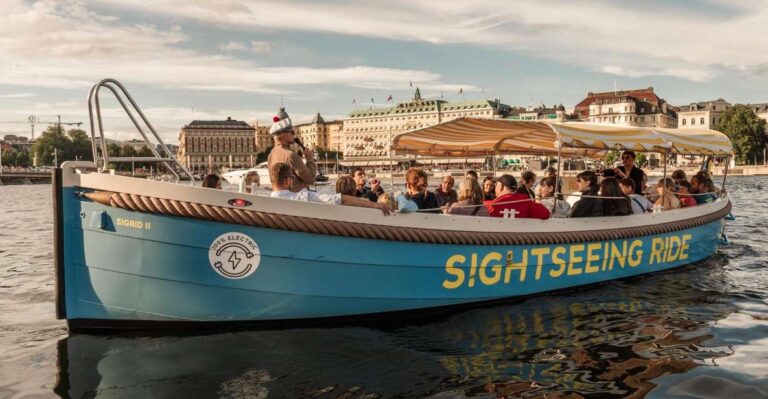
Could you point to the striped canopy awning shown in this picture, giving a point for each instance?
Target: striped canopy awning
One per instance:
(473, 136)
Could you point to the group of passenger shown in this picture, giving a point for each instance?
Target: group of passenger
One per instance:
(622, 191)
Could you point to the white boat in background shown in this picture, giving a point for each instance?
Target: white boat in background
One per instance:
(234, 177)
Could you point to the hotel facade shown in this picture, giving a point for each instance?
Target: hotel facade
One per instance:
(321, 134)
(368, 134)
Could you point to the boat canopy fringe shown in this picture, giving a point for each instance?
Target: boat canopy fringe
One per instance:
(474, 136)
(146, 204)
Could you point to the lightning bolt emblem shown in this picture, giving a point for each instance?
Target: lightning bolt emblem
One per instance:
(234, 260)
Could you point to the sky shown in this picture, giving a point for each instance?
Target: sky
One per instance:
(213, 59)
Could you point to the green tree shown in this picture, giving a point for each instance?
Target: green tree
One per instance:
(23, 159)
(611, 157)
(53, 143)
(9, 158)
(81, 144)
(641, 160)
(746, 131)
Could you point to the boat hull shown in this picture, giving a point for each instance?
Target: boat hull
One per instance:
(123, 266)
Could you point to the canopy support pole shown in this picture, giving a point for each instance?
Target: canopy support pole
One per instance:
(391, 166)
(494, 164)
(725, 174)
(557, 178)
(664, 181)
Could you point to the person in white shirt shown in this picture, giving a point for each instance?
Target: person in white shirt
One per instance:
(639, 203)
(250, 183)
(547, 192)
(282, 180)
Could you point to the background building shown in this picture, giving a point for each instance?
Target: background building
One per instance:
(368, 134)
(704, 113)
(320, 134)
(627, 108)
(542, 113)
(761, 110)
(212, 145)
(264, 140)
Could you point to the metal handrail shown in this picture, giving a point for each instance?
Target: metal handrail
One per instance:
(103, 161)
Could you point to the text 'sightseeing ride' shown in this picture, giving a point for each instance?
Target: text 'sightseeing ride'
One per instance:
(135, 253)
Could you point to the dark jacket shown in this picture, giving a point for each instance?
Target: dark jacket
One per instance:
(371, 195)
(636, 175)
(524, 190)
(446, 198)
(587, 207)
(425, 200)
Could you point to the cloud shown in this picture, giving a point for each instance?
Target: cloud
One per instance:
(260, 46)
(18, 95)
(79, 47)
(694, 74)
(232, 46)
(689, 41)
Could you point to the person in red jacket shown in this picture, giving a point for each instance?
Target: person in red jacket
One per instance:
(513, 205)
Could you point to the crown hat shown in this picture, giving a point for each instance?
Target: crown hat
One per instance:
(282, 123)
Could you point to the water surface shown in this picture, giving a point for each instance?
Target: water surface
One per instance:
(699, 332)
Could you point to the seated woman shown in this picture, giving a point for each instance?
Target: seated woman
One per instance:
(684, 194)
(615, 203)
(417, 197)
(547, 192)
(589, 205)
(679, 175)
(249, 182)
(282, 179)
(640, 204)
(527, 180)
(667, 198)
(489, 188)
(212, 181)
(470, 200)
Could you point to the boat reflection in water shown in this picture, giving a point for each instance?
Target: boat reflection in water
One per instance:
(613, 341)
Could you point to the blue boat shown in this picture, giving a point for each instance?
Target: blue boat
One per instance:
(136, 253)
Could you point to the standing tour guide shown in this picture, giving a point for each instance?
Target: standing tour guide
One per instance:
(628, 169)
(282, 132)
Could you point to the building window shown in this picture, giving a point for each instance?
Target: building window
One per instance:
(683, 121)
(701, 121)
(714, 121)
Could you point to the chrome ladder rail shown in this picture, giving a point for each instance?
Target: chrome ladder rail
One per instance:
(103, 161)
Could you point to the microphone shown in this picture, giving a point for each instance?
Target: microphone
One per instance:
(297, 141)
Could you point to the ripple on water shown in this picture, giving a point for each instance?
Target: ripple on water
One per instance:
(696, 332)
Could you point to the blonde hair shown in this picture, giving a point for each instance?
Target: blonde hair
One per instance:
(387, 199)
(470, 189)
(346, 185)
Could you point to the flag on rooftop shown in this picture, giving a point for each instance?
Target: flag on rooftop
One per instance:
(354, 101)
(410, 82)
(461, 91)
(389, 98)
